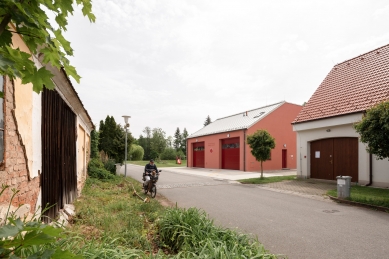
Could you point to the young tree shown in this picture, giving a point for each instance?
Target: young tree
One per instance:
(177, 139)
(183, 140)
(261, 144)
(374, 130)
(158, 141)
(169, 142)
(31, 21)
(207, 121)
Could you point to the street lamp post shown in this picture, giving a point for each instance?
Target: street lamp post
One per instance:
(127, 125)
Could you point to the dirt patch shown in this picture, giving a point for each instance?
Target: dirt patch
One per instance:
(164, 201)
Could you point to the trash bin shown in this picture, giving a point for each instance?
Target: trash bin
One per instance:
(343, 183)
(118, 167)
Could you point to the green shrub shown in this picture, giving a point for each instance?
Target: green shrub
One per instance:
(21, 238)
(97, 170)
(181, 154)
(137, 152)
(110, 166)
(95, 162)
(169, 154)
(192, 234)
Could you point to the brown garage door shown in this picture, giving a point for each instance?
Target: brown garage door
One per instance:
(198, 154)
(333, 157)
(230, 153)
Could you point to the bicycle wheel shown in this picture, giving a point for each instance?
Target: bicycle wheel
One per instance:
(153, 191)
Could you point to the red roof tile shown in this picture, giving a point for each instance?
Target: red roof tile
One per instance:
(351, 86)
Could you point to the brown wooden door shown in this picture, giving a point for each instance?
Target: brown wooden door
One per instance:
(322, 159)
(230, 153)
(333, 157)
(284, 154)
(198, 154)
(346, 157)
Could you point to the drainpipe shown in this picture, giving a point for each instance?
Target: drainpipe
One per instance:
(370, 170)
(244, 150)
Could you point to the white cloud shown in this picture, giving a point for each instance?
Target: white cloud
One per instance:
(171, 63)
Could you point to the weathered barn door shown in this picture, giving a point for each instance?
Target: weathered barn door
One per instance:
(59, 175)
(230, 153)
(333, 157)
(198, 154)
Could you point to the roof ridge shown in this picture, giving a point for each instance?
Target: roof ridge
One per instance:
(348, 60)
(250, 110)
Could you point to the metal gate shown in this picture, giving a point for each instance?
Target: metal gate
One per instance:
(230, 153)
(334, 156)
(59, 172)
(198, 154)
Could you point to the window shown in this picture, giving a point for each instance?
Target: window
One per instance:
(2, 82)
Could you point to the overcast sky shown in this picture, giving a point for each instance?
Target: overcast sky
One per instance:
(170, 64)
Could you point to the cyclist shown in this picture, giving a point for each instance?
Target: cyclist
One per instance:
(148, 169)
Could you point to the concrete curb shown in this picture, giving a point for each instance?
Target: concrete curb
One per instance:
(384, 209)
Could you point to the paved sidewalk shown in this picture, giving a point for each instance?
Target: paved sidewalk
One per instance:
(225, 174)
(309, 187)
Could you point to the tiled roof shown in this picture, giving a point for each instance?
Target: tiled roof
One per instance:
(236, 121)
(352, 86)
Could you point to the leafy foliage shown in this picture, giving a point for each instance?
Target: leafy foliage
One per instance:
(207, 121)
(30, 20)
(261, 144)
(169, 154)
(177, 139)
(136, 152)
(94, 144)
(374, 130)
(192, 234)
(97, 170)
(158, 142)
(112, 139)
(183, 140)
(145, 142)
(21, 238)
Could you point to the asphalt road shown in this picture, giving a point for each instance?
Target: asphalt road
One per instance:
(289, 224)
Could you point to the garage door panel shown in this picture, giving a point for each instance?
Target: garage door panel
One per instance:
(346, 157)
(231, 154)
(322, 159)
(334, 156)
(198, 155)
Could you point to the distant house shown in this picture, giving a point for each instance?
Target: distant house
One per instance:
(222, 144)
(44, 141)
(327, 144)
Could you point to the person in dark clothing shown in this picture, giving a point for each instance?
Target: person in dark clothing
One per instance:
(148, 169)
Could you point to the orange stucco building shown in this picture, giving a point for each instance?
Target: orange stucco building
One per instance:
(222, 144)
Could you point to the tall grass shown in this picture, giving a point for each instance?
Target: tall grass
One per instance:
(191, 234)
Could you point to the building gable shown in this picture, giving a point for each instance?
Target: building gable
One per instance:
(352, 86)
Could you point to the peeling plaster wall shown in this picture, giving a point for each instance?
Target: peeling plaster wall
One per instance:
(28, 117)
(15, 172)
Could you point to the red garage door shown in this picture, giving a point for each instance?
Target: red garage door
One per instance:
(230, 153)
(198, 154)
(333, 157)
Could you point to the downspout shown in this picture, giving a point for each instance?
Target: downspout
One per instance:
(370, 170)
(244, 150)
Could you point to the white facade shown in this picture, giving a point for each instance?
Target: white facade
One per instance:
(341, 126)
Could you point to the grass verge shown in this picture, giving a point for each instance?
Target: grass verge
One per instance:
(367, 195)
(111, 223)
(162, 163)
(268, 179)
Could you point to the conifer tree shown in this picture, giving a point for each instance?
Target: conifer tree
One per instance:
(207, 121)
(177, 139)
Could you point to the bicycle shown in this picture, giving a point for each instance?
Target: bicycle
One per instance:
(151, 186)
